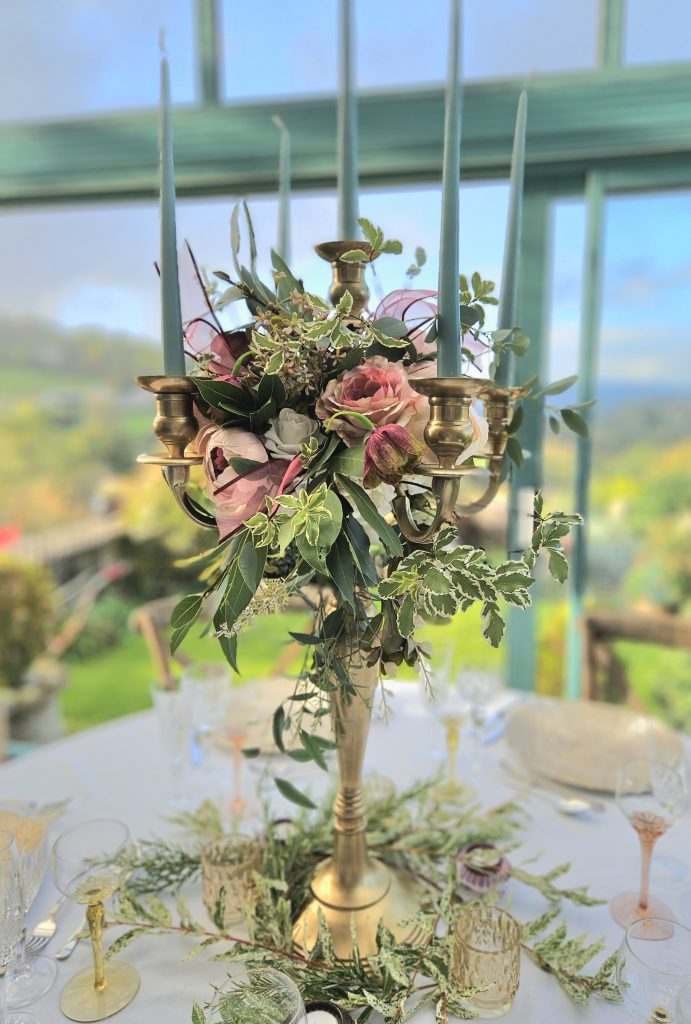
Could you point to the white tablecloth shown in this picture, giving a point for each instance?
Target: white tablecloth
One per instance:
(119, 770)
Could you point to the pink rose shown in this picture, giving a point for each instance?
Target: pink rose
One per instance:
(378, 389)
(417, 308)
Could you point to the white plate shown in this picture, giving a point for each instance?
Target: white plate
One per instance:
(585, 743)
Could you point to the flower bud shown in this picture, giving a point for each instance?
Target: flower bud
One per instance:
(390, 451)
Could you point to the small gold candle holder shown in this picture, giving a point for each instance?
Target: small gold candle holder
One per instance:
(347, 277)
(227, 883)
(486, 954)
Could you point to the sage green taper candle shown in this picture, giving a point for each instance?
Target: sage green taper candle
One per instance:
(283, 244)
(347, 131)
(171, 317)
(508, 300)
(449, 335)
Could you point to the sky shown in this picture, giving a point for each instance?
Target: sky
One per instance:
(93, 264)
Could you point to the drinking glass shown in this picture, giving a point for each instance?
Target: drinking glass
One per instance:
(89, 863)
(479, 688)
(258, 994)
(652, 974)
(174, 727)
(11, 917)
(450, 708)
(486, 954)
(29, 977)
(652, 796)
(206, 688)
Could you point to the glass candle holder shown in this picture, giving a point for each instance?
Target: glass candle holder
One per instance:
(486, 954)
(227, 883)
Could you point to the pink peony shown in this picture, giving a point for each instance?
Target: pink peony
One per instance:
(417, 308)
(378, 389)
(218, 445)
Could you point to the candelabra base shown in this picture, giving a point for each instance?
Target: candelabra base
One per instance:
(400, 900)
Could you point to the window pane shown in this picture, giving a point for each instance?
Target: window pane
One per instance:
(88, 56)
(401, 44)
(657, 32)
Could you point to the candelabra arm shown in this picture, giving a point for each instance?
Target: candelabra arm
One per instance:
(445, 490)
(177, 478)
(483, 501)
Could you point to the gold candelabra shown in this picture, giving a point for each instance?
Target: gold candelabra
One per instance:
(352, 890)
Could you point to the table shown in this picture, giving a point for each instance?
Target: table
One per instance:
(118, 770)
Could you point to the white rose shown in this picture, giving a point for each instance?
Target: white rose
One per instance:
(288, 431)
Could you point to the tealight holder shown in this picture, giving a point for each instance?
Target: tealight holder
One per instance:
(486, 955)
(228, 864)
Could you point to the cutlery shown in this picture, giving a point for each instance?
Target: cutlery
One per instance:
(44, 930)
(565, 801)
(65, 951)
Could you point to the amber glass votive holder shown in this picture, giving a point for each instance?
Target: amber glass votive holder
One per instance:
(486, 954)
(228, 887)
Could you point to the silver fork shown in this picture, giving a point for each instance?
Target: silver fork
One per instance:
(44, 930)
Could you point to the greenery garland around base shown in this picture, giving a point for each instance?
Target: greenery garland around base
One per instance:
(410, 829)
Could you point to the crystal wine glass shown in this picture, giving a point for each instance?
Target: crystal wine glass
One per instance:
(11, 917)
(257, 994)
(451, 709)
(29, 977)
(89, 863)
(173, 717)
(652, 974)
(652, 796)
(206, 688)
(478, 687)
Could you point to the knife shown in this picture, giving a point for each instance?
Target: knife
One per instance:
(69, 947)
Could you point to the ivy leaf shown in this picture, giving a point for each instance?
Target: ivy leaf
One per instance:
(354, 256)
(558, 566)
(290, 792)
(574, 421)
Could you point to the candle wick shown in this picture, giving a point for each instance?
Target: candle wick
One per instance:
(162, 40)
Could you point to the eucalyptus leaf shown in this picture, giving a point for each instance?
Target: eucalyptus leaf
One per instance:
(289, 791)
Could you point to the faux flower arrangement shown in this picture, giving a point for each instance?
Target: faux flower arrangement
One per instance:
(311, 426)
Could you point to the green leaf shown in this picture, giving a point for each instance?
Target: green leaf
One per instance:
(558, 566)
(241, 465)
(575, 422)
(392, 246)
(183, 617)
(558, 386)
(235, 235)
(391, 326)
(232, 294)
(314, 556)
(242, 581)
(354, 256)
(329, 529)
(555, 425)
(350, 462)
(373, 234)
(437, 582)
(198, 1015)
(250, 232)
(306, 638)
(278, 725)
(313, 749)
(405, 616)
(360, 547)
(492, 626)
(342, 569)
(271, 389)
(288, 790)
(367, 509)
(216, 392)
(345, 303)
(420, 256)
(516, 420)
(514, 451)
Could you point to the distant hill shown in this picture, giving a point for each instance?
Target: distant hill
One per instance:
(42, 358)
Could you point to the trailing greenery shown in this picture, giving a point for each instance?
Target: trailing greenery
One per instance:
(410, 830)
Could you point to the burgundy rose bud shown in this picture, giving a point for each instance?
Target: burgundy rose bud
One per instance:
(390, 451)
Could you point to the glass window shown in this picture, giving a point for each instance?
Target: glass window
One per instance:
(90, 56)
(400, 45)
(657, 32)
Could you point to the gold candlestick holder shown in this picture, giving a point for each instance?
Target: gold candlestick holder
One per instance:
(347, 277)
(176, 427)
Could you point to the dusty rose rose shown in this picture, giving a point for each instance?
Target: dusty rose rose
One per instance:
(378, 389)
(416, 307)
(390, 451)
(218, 445)
(226, 350)
(245, 495)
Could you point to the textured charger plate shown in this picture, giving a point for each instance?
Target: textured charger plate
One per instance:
(585, 743)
